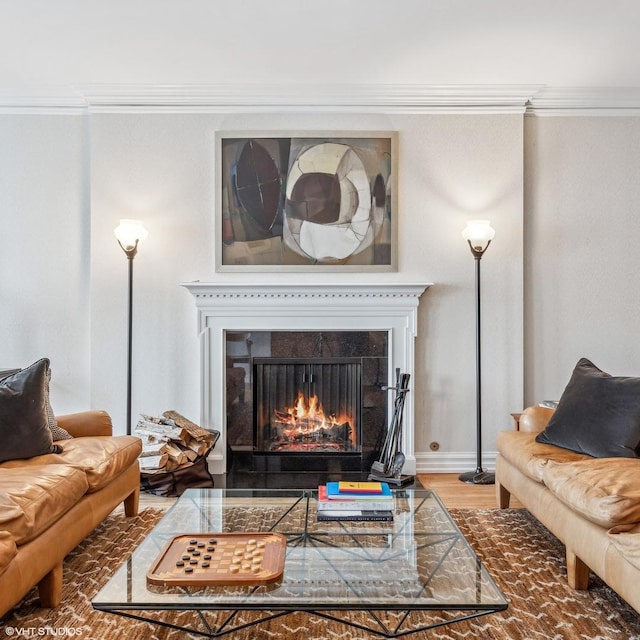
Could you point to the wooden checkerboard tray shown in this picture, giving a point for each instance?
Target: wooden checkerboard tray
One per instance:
(220, 559)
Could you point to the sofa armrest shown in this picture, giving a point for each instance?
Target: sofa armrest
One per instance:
(535, 418)
(86, 423)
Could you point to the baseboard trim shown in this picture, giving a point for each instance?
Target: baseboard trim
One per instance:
(453, 461)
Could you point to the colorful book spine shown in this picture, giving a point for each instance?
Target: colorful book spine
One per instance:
(351, 504)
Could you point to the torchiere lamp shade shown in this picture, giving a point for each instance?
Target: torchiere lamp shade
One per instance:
(130, 233)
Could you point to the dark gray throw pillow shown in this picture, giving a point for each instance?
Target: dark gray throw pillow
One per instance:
(24, 427)
(57, 432)
(598, 414)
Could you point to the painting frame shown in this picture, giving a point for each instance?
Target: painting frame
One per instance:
(336, 194)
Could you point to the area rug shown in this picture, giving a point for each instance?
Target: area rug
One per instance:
(525, 560)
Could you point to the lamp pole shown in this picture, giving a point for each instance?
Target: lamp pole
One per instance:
(130, 233)
(478, 235)
(130, 257)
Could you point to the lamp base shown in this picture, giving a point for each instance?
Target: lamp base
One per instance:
(479, 476)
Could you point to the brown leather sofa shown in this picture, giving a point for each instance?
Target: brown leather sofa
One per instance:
(590, 504)
(50, 503)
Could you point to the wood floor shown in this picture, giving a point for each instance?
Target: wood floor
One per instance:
(459, 495)
(453, 493)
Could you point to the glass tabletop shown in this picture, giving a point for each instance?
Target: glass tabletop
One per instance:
(419, 560)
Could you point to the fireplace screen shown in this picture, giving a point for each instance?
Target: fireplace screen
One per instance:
(307, 406)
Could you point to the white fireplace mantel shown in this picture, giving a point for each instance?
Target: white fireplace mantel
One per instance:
(234, 307)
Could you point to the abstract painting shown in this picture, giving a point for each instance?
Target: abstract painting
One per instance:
(305, 201)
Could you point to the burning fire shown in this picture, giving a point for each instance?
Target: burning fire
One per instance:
(307, 417)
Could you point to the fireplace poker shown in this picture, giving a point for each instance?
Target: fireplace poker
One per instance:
(389, 466)
(392, 460)
(380, 466)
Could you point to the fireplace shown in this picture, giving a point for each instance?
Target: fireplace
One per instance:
(239, 323)
(307, 406)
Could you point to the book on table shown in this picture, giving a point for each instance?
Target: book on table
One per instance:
(382, 503)
(360, 488)
(362, 515)
(334, 492)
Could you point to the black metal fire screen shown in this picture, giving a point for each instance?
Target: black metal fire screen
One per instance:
(310, 405)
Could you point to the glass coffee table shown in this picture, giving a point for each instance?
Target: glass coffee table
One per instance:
(393, 578)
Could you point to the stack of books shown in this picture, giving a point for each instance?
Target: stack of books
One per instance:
(356, 501)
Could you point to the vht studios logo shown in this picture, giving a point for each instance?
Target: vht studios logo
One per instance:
(34, 632)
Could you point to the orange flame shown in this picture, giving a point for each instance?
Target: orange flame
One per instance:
(309, 416)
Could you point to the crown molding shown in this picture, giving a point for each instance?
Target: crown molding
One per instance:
(127, 98)
(532, 100)
(43, 100)
(301, 97)
(585, 101)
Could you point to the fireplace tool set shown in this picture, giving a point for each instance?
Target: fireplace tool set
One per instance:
(389, 467)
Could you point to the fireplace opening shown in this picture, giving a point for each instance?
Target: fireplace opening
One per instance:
(310, 406)
(274, 378)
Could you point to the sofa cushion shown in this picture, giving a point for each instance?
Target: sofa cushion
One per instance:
(530, 457)
(603, 490)
(33, 497)
(24, 427)
(598, 414)
(102, 458)
(8, 550)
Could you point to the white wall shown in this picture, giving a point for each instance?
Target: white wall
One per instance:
(582, 213)
(160, 168)
(65, 180)
(461, 168)
(44, 251)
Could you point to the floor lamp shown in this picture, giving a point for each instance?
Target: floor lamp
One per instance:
(130, 233)
(478, 234)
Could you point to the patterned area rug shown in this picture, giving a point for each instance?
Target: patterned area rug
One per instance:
(526, 561)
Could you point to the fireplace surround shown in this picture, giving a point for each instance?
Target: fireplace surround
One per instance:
(239, 308)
